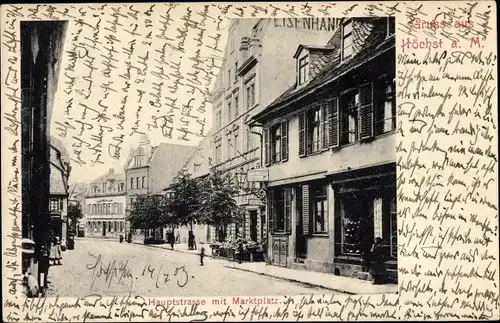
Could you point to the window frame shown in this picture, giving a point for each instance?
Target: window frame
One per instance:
(279, 210)
(303, 69)
(348, 35)
(345, 131)
(275, 137)
(314, 198)
(385, 96)
(250, 103)
(311, 126)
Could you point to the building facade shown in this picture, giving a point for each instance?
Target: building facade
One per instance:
(330, 149)
(198, 165)
(59, 190)
(150, 169)
(256, 69)
(105, 200)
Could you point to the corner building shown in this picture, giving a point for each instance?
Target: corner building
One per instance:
(330, 149)
(256, 69)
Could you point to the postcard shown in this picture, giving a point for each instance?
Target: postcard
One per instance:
(303, 161)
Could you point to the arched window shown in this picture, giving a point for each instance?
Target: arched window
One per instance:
(139, 157)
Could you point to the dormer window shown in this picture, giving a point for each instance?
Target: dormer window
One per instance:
(347, 39)
(303, 69)
(391, 26)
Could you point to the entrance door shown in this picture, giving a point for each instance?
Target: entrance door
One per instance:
(253, 225)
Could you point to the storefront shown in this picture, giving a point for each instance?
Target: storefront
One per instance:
(365, 209)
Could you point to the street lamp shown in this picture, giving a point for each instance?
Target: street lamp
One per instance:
(242, 179)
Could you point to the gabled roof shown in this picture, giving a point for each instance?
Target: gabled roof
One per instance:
(373, 46)
(108, 177)
(313, 47)
(171, 158)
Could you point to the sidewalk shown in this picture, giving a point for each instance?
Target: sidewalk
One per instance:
(329, 281)
(179, 247)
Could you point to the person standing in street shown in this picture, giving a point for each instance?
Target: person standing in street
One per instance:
(171, 239)
(264, 251)
(240, 252)
(378, 258)
(52, 250)
(44, 270)
(58, 251)
(202, 254)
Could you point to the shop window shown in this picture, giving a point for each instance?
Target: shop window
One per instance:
(319, 209)
(393, 232)
(357, 223)
(385, 113)
(349, 125)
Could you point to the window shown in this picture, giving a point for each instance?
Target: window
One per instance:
(385, 113)
(229, 110)
(319, 209)
(137, 183)
(218, 118)
(236, 143)
(229, 148)
(347, 39)
(235, 71)
(236, 106)
(349, 125)
(250, 96)
(139, 158)
(303, 69)
(55, 205)
(120, 187)
(218, 152)
(279, 214)
(110, 208)
(143, 182)
(132, 183)
(393, 230)
(314, 130)
(391, 26)
(276, 144)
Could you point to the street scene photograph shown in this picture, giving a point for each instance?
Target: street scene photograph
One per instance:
(290, 189)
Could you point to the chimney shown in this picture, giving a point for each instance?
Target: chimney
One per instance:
(111, 171)
(143, 140)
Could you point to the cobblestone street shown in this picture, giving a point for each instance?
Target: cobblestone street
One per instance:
(108, 268)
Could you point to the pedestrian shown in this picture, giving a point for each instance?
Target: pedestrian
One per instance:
(129, 240)
(202, 254)
(43, 272)
(121, 238)
(177, 238)
(240, 252)
(378, 258)
(171, 240)
(190, 240)
(52, 250)
(58, 251)
(264, 251)
(193, 243)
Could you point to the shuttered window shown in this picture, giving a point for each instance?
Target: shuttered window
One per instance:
(305, 209)
(288, 209)
(302, 134)
(325, 120)
(366, 111)
(270, 211)
(333, 116)
(284, 140)
(267, 152)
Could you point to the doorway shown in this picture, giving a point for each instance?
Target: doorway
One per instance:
(300, 238)
(253, 225)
